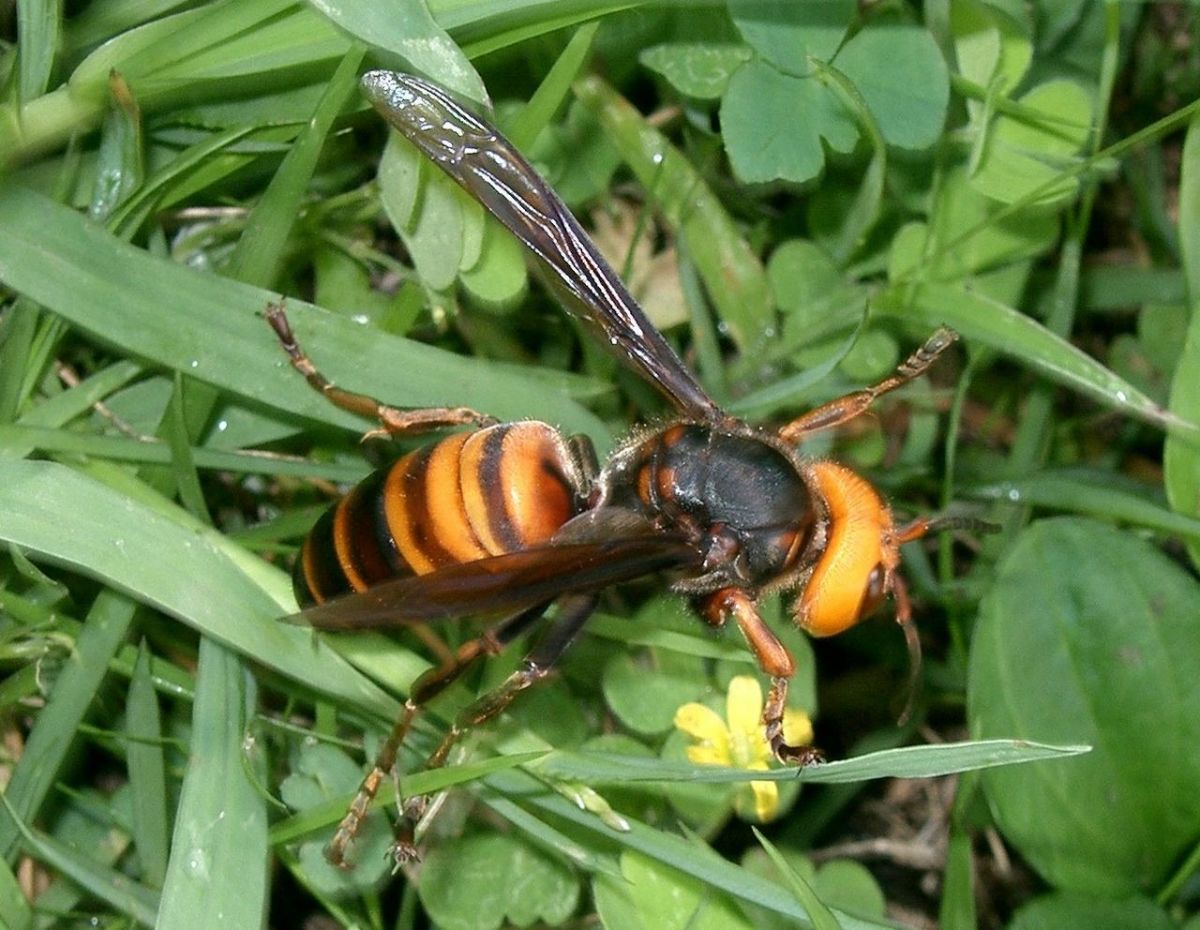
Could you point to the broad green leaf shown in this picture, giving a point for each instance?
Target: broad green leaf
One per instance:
(472, 236)
(1068, 911)
(499, 277)
(786, 33)
(901, 74)
(1074, 37)
(410, 31)
(989, 45)
(1056, 20)
(842, 217)
(1162, 332)
(579, 158)
(400, 181)
(808, 286)
(1089, 635)
(874, 356)
(818, 303)
(344, 284)
(428, 210)
(774, 124)
(654, 897)
(645, 690)
(1181, 456)
(682, 854)
(548, 716)
(322, 773)
(700, 70)
(842, 884)
(822, 918)
(496, 867)
(849, 885)
(1023, 153)
(963, 238)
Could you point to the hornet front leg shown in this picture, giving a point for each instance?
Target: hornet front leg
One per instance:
(773, 658)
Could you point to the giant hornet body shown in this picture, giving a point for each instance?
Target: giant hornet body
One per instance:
(507, 519)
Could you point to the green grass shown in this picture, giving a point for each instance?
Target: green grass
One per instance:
(801, 204)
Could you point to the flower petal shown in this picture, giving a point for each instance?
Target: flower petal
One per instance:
(700, 722)
(707, 755)
(766, 800)
(704, 725)
(743, 705)
(797, 728)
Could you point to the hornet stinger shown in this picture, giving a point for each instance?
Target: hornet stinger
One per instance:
(505, 519)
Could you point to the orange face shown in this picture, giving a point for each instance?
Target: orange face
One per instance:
(856, 570)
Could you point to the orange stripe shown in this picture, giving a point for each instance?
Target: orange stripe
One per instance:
(343, 542)
(645, 489)
(309, 569)
(401, 506)
(449, 525)
(537, 496)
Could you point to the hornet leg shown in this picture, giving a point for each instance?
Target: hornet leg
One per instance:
(393, 421)
(427, 686)
(773, 658)
(845, 408)
(574, 611)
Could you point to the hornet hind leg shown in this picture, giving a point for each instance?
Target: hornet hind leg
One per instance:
(393, 421)
(426, 687)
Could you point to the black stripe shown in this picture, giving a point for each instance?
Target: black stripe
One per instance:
(326, 578)
(368, 550)
(490, 478)
(385, 542)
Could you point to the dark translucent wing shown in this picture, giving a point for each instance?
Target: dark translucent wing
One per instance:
(475, 155)
(502, 583)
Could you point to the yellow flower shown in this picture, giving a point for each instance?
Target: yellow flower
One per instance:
(738, 741)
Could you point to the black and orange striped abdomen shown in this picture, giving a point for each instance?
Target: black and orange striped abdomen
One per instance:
(472, 495)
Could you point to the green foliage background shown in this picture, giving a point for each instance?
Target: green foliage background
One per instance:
(801, 192)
